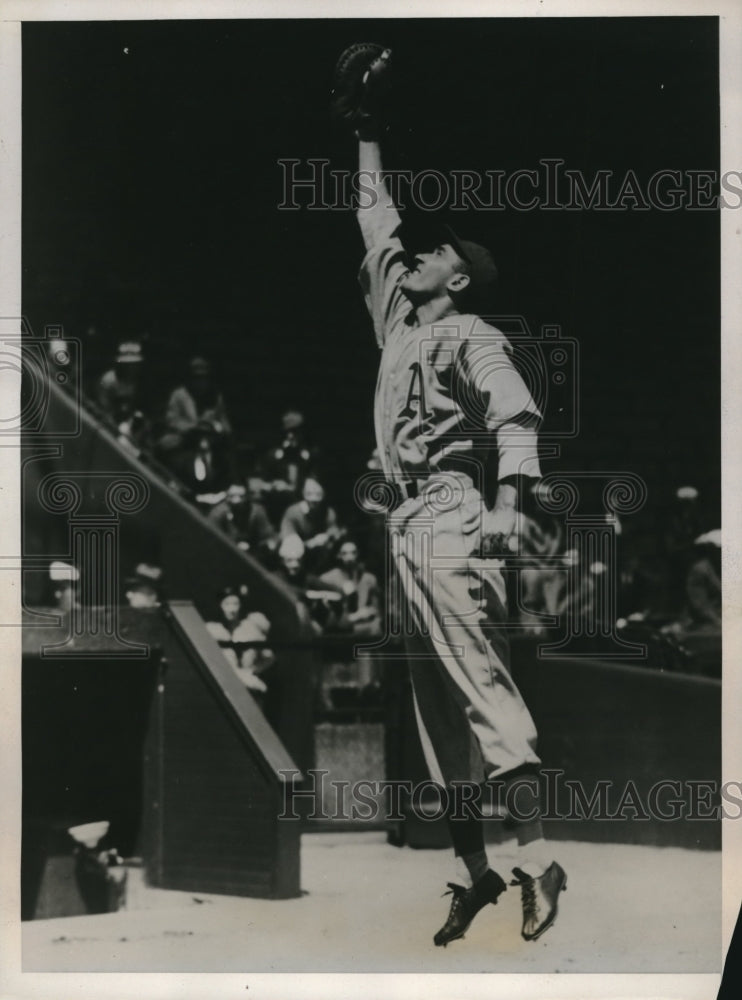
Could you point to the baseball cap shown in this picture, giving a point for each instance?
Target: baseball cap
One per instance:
(479, 259)
(686, 493)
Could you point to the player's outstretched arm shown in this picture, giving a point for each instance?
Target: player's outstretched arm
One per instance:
(377, 214)
(360, 96)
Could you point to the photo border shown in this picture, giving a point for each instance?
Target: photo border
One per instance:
(13, 982)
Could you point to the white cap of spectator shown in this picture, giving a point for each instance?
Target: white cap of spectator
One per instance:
(686, 493)
(65, 578)
(710, 538)
(62, 572)
(89, 834)
(150, 572)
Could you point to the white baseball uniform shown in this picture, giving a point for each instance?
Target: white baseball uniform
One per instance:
(448, 398)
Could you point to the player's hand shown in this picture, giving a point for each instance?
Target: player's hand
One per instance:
(498, 527)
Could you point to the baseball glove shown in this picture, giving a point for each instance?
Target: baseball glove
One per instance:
(361, 82)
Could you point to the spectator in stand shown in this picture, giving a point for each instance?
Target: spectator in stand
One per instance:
(238, 630)
(539, 536)
(362, 606)
(314, 522)
(196, 404)
(119, 395)
(682, 525)
(285, 468)
(361, 615)
(65, 580)
(245, 521)
(203, 467)
(370, 529)
(703, 582)
(576, 596)
(142, 588)
(698, 627)
(324, 601)
(702, 585)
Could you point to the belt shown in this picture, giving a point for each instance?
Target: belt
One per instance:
(409, 489)
(468, 465)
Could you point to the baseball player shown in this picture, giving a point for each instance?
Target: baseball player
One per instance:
(456, 430)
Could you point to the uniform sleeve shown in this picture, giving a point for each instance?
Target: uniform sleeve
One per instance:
(381, 273)
(502, 399)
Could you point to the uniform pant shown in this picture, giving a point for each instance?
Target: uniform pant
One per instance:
(473, 722)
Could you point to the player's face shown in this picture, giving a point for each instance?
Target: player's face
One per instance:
(432, 274)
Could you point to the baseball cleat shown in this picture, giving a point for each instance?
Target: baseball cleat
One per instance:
(539, 897)
(466, 904)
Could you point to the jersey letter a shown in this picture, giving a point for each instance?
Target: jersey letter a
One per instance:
(416, 395)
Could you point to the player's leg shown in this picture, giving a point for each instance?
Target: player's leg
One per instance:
(451, 603)
(459, 772)
(541, 879)
(458, 605)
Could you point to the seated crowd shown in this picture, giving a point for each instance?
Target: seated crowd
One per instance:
(275, 507)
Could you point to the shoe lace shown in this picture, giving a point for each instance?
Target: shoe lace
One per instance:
(458, 892)
(528, 897)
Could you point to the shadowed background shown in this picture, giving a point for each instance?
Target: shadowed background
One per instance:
(151, 184)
